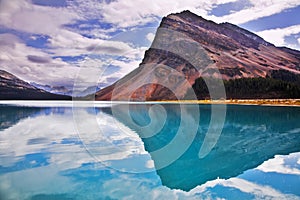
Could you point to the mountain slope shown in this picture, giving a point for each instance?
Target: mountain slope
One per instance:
(13, 88)
(187, 47)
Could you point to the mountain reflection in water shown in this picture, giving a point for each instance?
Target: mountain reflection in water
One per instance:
(251, 135)
(104, 153)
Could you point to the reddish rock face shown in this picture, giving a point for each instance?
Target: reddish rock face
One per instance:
(187, 46)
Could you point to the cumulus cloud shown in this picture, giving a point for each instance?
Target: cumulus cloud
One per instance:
(72, 125)
(31, 64)
(89, 71)
(259, 191)
(150, 37)
(279, 164)
(44, 65)
(277, 36)
(260, 8)
(27, 17)
(93, 71)
(205, 191)
(98, 71)
(68, 43)
(71, 33)
(125, 68)
(124, 14)
(33, 181)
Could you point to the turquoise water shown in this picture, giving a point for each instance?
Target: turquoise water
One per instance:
(149, 152)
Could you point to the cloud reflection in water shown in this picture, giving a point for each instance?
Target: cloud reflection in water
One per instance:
(42, 157)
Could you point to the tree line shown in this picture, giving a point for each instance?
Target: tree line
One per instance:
(278, 84)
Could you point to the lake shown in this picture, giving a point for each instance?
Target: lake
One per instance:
(63, 150)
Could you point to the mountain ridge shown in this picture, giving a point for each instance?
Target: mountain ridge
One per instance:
(221, 51)
(13, 88)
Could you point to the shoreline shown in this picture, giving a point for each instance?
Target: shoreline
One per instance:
(262, 102)
(259, 102)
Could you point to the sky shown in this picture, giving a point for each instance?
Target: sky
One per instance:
(84, 43)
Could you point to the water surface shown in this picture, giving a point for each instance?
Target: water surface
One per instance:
(120, 151)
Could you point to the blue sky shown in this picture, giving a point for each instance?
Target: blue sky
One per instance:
(84, 43)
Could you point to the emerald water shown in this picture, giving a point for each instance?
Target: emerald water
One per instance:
(146, 151)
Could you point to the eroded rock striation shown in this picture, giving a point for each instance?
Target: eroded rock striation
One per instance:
(186, 47)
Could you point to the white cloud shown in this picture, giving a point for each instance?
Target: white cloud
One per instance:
(125, 68)
(259, 191)
(34, 65)
(116, 189)
(50, 21)
(131, 13)
(279, 165)
(27, 17)
(89, 71)
(277, 36)
(150, 37)
(67, 43)
(93, 71)
(110, 78)
(23, 184)
(260, 8)
(37, 65)
(22, 61)
(57, 128)
(103, 130)
(124, 14)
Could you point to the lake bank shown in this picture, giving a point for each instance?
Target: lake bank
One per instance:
(264, 102)
(273, 102)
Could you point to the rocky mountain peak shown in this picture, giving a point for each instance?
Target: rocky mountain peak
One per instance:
(187, 46)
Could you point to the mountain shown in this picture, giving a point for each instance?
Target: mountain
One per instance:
(188, 47)
(88, 91)
(13, 88)
(62, 90)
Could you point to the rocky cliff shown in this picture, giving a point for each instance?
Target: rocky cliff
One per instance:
(186, 47)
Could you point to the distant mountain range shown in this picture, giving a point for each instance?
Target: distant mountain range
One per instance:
(62, 90)
(13, 88)
(188, 48)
